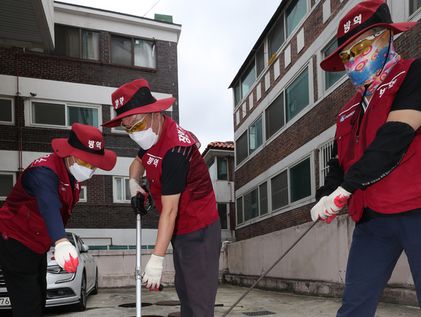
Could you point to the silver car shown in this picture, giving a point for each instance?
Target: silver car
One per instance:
(65, 288)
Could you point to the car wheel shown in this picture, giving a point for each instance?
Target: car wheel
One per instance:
(95, 289)
(83, 295)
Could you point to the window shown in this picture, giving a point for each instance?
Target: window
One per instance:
(414, 5)
(276, 37)
(247, 80)
(251, 207)
(325, 154)
(275, 116)
(121, 190)
(83, 198)
(222, 168)
(294, 14)
(239, 210)
(241, 148)
(263, 199)
(291, 185)
(331, 77)
(237, 93)
(297, 95)
(130, 51)
(62, 114)
(78, 43)
(260, 60)
(6, 110)
(300, 180)
(7, 181)
(223, 215)
(279, 186)
(255, 135)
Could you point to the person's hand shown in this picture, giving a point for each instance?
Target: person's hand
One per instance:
(329, 206)
(135, 187)
(153, 272)
(66, 255)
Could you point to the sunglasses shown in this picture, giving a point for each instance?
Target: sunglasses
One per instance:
(137, 126)
(359, 48)
(85, 164)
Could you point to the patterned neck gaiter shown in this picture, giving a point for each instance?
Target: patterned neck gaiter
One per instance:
(371, 67)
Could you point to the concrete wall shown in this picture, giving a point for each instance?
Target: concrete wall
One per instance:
(316, 265)
(117, 268)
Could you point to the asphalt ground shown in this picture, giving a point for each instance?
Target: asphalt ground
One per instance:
(257, 303)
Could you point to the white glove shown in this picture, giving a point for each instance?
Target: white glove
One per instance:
(153, 272)
(66, 256)
(135, 187)
(329, 206)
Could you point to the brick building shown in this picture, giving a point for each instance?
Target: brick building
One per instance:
(59, 64)
(219, 156)
(284, 116)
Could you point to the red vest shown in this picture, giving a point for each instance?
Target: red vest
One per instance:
(20, 218)
(399, 191)
(197, 207)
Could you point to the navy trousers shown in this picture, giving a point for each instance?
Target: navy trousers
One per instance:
(196, 263)
(376, 247)
(25, 274)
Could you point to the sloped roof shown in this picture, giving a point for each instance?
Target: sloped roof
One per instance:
(219, 145)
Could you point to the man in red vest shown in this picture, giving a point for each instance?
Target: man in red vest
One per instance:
(377, 170)
(33, 217)
(181, 188)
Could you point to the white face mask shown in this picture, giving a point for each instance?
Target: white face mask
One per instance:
(145, 139)
(81, 173)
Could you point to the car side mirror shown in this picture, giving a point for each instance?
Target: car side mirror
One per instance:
(85, 248)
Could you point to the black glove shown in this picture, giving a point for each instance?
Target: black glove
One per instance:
(142, 203)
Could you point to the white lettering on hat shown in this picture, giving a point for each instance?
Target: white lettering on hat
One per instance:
(98, 144)
(347, 26)
(91, 144)
(119, 102)
(358, 19)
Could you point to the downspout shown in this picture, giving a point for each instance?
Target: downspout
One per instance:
(18, 118)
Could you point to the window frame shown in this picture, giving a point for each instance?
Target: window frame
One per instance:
(249, 150)
(291, 82)
(237, 211)
(31, 123)
(80, 30)
(324, 155)
(227, 218)
(115, 200)
(13, 174)
(291, 204)
(132, 51)
(218, 159)
(83, 189)
(12, 109)
(296, 27)
(325, 74)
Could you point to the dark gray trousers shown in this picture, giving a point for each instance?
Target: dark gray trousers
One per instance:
(196, 263)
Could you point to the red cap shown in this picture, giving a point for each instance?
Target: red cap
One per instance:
(86, 143)
(135, 98)
(364, 16)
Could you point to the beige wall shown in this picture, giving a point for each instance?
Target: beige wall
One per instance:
(320, 256)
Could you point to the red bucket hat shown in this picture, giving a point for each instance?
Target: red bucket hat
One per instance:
(86, 143)
(364, 16)
(135, 98)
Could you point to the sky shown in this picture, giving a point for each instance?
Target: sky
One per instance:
(216, 37)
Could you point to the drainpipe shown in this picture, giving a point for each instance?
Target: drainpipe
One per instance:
(17, 118)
